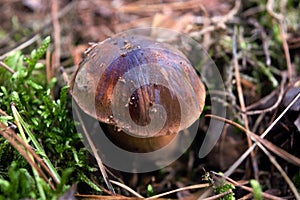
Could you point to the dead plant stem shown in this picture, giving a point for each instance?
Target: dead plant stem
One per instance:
(56, 27)
(241, 100)
(280, 18)
(265, 195)
(95, 153)
(25, 150)
(246, 153)
(5, 66)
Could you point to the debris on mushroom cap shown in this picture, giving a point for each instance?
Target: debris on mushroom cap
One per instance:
(104, 65)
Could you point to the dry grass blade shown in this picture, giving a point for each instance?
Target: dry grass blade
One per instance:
(95, 152)
(127, 188)
(218, 196)
(136, 8)
(21, 46)
(267, 98)
(282, 172)
(5, 66)
(280, 17)
(216, 21)
(257, 139)
(280, 116)
(57, 43)
(198, 186)
(278, 151)
(270, 5)
(246, 153)
(265, 195)
(101, 197)
(241, 100)
(24, 149)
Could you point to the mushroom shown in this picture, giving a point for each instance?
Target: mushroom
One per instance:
(142, 92)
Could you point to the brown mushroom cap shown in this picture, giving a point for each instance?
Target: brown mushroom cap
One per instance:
(169, 81)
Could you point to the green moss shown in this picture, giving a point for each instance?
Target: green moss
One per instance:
(48, 119)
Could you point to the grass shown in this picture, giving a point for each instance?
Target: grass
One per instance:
(45, 124)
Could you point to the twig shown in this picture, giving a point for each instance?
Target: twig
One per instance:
(260, 142)
(270, 10)
(282, 172)
(280, 18)
(46, 23)
(24, 149)
(241, 159)
(102, 197)
(278, 151)
(246, 196)
(64, 75)
(127, 188)
(95, 152)
(5, 66)
(101, 187)
(286, 52)
(36, 174)
(21, 124)
(258, 121)
(266, 195)
(218, 196)
(191, 187)
(217, 22)
(246, 153)
(275, 105)
(242, 102)
(136, 8)
(22, 46)
(220, 19)
(56, 29)
(265, 40)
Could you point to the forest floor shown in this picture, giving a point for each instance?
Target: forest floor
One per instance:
(255, 46)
